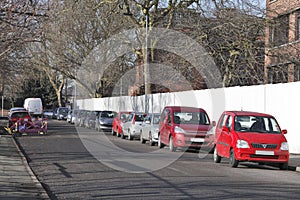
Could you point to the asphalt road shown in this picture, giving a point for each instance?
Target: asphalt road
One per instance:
(65, 167)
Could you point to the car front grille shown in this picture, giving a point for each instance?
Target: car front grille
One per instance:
(264, 146)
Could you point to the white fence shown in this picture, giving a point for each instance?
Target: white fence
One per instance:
(279, 100)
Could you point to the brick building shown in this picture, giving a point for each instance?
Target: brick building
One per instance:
(282, 60)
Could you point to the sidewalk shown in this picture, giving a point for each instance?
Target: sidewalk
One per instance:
(16, 178)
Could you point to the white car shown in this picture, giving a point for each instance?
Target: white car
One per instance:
(131, 128)
(150, 129)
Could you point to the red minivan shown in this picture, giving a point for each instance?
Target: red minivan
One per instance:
(183, 127)
(250, 136)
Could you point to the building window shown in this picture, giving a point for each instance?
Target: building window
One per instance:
(298, 28)
(271, 34)
(279, 31)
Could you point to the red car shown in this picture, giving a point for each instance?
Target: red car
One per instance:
(250, 136)
(15, 116)
(118, 121)
(183, 127)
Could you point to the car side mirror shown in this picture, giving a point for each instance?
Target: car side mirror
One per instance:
(225, 129)
(284, 131)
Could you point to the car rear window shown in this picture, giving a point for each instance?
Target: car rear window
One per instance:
(20, 114)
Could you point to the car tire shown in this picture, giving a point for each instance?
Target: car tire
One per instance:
(160, 144)
(117, 133)
(171, 145)
(122, 136)
(142, 139)
(217, 158)
(112, 131)
(151, 140)
(129, 135)
(232, 161)
(283, 166)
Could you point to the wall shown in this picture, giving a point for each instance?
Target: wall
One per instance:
(279, 100)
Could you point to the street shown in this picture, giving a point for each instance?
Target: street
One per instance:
(68, 170)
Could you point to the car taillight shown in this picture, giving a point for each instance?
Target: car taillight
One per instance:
(14, 119)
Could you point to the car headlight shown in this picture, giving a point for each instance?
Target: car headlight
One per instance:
(242, 144)
(284, 146)
(178, 130)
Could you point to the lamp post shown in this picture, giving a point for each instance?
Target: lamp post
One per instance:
(146, 68)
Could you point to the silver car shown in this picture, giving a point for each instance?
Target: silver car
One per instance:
(150, 129)
(131, 128)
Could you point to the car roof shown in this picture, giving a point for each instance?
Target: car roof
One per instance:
(242, 113)
(17, 108)
(19, 111)
(185, 108)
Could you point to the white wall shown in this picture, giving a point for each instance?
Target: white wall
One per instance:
(279, 100)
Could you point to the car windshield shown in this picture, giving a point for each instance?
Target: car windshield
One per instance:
(156, 119)
(258, 124)
(191, 118)
(63, 110)
(108, 114)
(139, 117)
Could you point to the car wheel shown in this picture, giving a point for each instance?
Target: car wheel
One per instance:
(112, 131)
(283, 166)
(150, 140)
(217, 158)
(122, 136)
(171, 145)
(160, 144)
(129, 135)
(142, 139)
(232, 161)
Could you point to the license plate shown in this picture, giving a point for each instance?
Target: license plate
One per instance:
(268, 153)
(197, 139)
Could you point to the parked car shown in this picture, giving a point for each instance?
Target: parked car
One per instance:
(183, 127)
(73, 116)
(118, 122)
(91, 119)
(61, 113)
(131, 128)
(150, 129)
(79, 120)
(48, 114)
(69, 116)
(17, 115)
(84, 118)
(16, 109)
(250, 136)
(104, 120)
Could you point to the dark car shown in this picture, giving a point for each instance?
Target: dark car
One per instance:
(104, 120)
(61, 113)
(90, 120)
